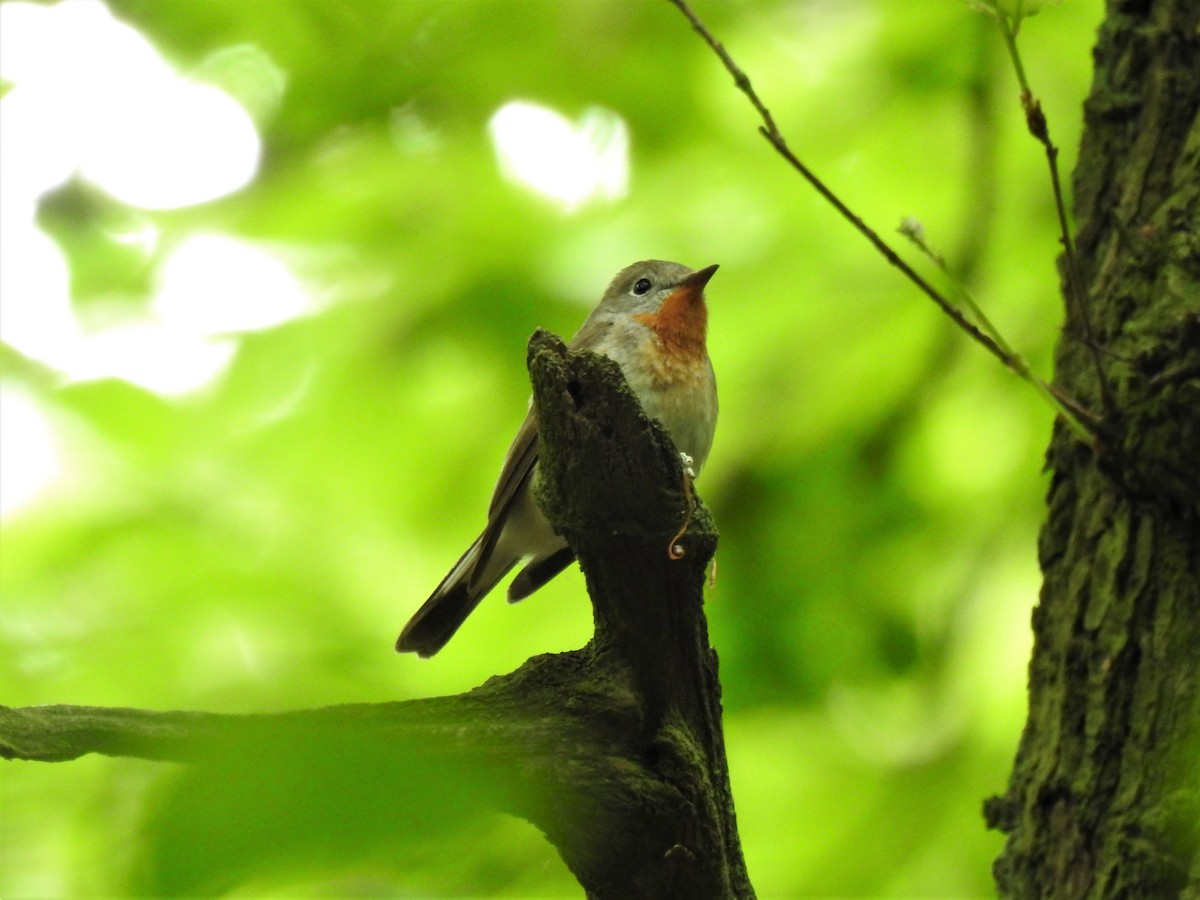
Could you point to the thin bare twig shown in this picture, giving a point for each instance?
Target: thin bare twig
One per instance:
(1035, 120)
(1080, 419)
(771, 132)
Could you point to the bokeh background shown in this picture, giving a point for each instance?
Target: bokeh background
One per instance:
(268, 273)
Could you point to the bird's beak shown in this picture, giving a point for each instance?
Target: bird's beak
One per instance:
(693, 285)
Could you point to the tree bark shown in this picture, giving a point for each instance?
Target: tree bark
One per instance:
(1104, 798)
(614, 751)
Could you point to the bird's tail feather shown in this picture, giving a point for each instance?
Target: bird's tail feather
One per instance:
(538, 572)
(452, 601)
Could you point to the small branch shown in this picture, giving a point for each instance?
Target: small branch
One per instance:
(495, 715)
(1082, 421)
(1035, 120)
(774, 137)
(63, 733)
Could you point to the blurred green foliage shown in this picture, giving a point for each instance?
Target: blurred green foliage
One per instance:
(257, 544)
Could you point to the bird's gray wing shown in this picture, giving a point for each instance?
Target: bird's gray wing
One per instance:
(514, 476)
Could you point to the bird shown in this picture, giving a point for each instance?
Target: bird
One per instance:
(653, 322)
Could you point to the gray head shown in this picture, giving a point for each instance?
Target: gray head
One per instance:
(637, 299)
(642, 287)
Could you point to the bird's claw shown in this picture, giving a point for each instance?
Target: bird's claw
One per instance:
(675, 549)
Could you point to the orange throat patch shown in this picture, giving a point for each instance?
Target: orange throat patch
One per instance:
(681, 324)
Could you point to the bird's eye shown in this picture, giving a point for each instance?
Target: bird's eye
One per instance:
(642, 285)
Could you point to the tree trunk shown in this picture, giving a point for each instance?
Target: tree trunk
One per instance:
(1104, 799)
(614, 751)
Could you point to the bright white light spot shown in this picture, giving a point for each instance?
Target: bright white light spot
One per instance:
(153, 355)
(35, 303)
(569, 162)
(210, 286)
(30, 460)
(92, 95)
(176, 145)
(213, 285)
(36, 319)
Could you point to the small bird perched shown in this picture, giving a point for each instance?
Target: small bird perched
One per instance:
(652, 321)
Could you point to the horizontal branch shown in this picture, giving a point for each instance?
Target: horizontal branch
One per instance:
(521, 710)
